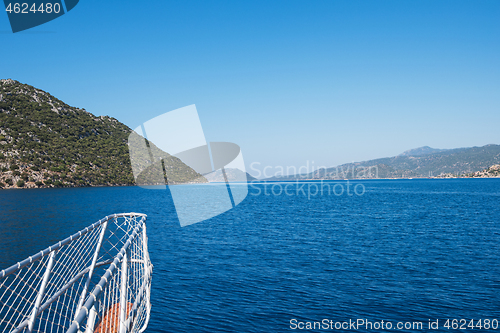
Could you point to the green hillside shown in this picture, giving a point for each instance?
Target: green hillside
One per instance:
(415, 163)
(45, 143)
(459, 161)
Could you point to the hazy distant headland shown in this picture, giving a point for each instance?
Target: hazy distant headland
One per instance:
(232, 175)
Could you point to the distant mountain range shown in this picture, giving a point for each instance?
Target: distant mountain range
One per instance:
(415, 163)
(426, 150)
(44, 142)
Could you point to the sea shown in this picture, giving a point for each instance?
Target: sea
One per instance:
(377, 253)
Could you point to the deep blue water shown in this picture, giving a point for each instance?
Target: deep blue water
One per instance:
(405, 250)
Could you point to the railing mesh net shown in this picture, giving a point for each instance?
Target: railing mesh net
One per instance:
(62, 289)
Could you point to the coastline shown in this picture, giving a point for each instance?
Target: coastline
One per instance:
(249, 182)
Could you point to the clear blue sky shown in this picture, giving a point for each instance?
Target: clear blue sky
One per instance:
(289, 81)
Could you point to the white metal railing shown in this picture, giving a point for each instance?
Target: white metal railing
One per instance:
(97, 280)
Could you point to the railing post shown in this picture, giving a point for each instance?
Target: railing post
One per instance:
(147, 274)
(91, 271)
(147, 268)
(123, 295)
(39, 297)
(91, 320)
